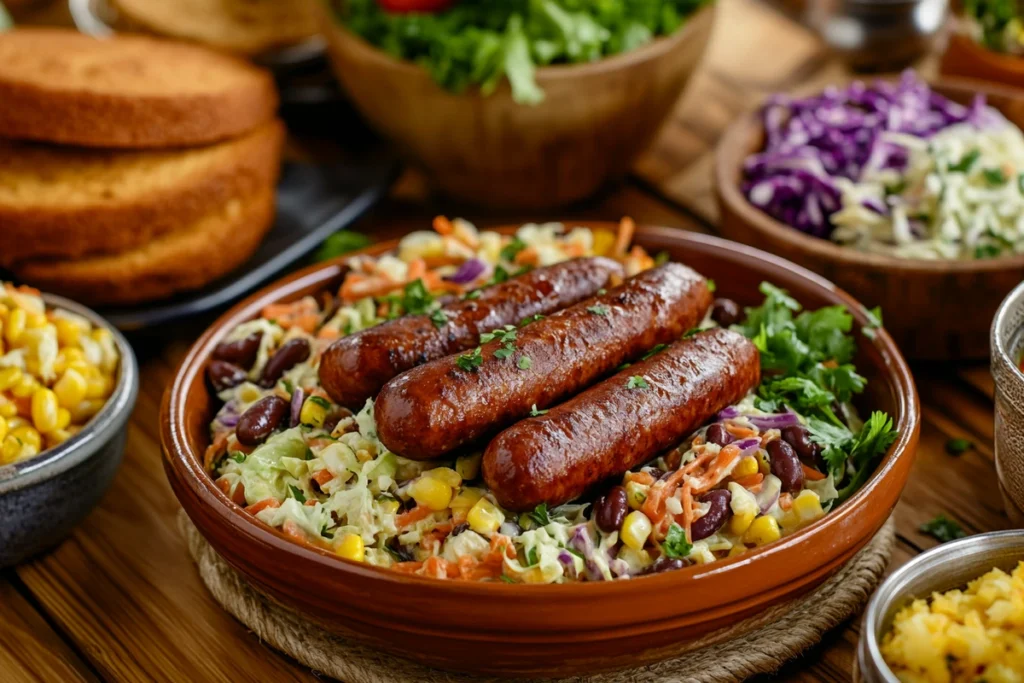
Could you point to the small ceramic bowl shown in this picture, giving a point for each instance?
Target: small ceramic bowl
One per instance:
(935, 310)
(1007, 347)
(965, 57)
(950, 565)
(545, 630)
(44, 498)
(595, 119)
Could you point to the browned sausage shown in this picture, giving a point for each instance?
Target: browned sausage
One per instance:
(437, 407)
(355, 367)
(618, 424)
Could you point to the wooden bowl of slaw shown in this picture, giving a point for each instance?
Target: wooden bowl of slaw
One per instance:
(545, 630)
(934, 309)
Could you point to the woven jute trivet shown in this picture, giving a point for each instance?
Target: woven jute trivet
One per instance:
(759, 651)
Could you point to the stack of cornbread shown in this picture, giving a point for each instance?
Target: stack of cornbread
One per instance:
(131, 168)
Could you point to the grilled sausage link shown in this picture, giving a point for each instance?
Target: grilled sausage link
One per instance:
(355, 367)
(620, 424)
(437, 407)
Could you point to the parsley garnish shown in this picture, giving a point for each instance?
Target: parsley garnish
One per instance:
(531, 557)
(470, 361)
(539, 515)
(474, 294)
(994, 176)
(320, 401)
(341, 242)
(874, 322)
(636, 382)
(603, 291)
(598, 309)
(439, 318)
(288, 386)
(675, 544)
(417, 299)
(512, 249)
(655, 351)
(536, 413)
(531, 319)
(958, 446)
(504, 352)
(505, 334)
(692, 332)
(525, 363)
(238, 456)
(966, 161)
(500, 275)
(297, 493)
(506, 579)
(712, 286)
(942, 529)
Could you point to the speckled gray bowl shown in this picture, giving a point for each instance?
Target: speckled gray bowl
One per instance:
(43, 499)
(1007, 345)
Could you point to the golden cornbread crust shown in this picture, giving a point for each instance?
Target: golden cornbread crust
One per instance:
(212, 247)
(68, 203)
(134, 92)
(248, 27)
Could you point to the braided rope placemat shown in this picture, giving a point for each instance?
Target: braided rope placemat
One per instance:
(761, 650)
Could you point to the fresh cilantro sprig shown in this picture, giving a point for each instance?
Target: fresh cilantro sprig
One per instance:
(942, 529)
(675, 544)
(539, 515)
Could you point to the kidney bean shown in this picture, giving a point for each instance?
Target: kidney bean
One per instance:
(287, 357)
(716, 516)
(241, 352)
(718, 435)
(224, 375)
(610, 509)
(725, 312)
(665, 564)
(260, 420)
(656, 472)
(785, 465)
(806, 449)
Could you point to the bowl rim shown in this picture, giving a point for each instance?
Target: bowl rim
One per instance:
(731, 153)
(115, 412)
(544, 74)
(873, 613)
(1002, 355)
(187, 466)
(1012, 64)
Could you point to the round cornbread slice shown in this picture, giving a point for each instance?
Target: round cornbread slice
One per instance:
(59, 86)
(248, 27)
(63, 202)
(212, 247)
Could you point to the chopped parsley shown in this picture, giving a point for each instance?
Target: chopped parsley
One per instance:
(505, 334)
(238, 456)
(470, 361)
(598, 309)
(525, 363)
(531, 319)
(994, 176)
(341, 242)
(636, 382)
(654, 351)
(417, 299)
(942, 529)
(534, 412)
(439, 318)
(512, 249)
(504, 352)
(473, 294)
(297, 493)
(966, 161)
(531, 557)
(874, 321)
(500, 275)
(539, 515)
(958, 446)
(675, 544)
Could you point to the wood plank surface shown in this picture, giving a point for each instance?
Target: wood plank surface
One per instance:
(121, 601)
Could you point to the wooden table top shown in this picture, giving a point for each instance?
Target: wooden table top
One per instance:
(121, 601)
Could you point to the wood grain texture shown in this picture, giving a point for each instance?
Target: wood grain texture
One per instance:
(123, 593)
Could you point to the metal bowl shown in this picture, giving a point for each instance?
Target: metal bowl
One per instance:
(42, 499)
(1007, 343)
(951, 565)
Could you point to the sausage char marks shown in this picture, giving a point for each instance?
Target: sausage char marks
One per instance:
(355, 367)
(433, 409)
(620, 423)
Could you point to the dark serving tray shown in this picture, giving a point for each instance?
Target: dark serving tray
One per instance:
(313, 202)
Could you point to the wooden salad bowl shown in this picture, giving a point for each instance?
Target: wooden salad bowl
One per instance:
(545, 630)
(965, 57)
(935, 310)
(596, 118)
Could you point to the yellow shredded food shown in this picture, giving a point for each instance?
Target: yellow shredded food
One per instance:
(975, 635)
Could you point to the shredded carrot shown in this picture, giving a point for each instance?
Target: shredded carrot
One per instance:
(294, 531)
(266, 503)
(687, 510)
(677, 477)
(237, 496)
(625, 235)
(528, 257)
(443, 226)
(436, 567)
(751, 482)
(328, 333)
(303, 314)
(213, 451)
(739, 431)
(643, 478)
(412, 516)
(811, 473)
(416, 270)
(358, 286)
(576, 249)
(654, 504)
(785, 501)
(407, 567)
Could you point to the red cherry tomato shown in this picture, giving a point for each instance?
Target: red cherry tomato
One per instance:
(401, 6)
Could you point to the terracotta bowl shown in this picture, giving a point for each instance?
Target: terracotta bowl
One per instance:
(938, 310)
(595, 120)
(547, 630)
(965, 57)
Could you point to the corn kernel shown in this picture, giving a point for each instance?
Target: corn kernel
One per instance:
(25, 387)
(745, 467)
(636, 494)
(85, 410)
(63, 419)
(28, 436)
(8, 408)
(95, 383)
(10, 450)
(604, 240)
(764, 465)
(468, 466)
(738, 524)
(352, 548)
(15, 422)
(764, 529)
(807, 507)
(484, 518)
(4, 312)
(9, 377)
(466, 499)
(431, 493)
(15, 326)
(3, 428)
(314, 411)
(68, 331)
(57, 437)
(446, 475)
(73, 355)
(35, 320)
(737, 549)
(44, 410)
(70, 389)
(635, 530)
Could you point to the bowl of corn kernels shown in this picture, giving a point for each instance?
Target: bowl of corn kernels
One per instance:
(68, 384)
